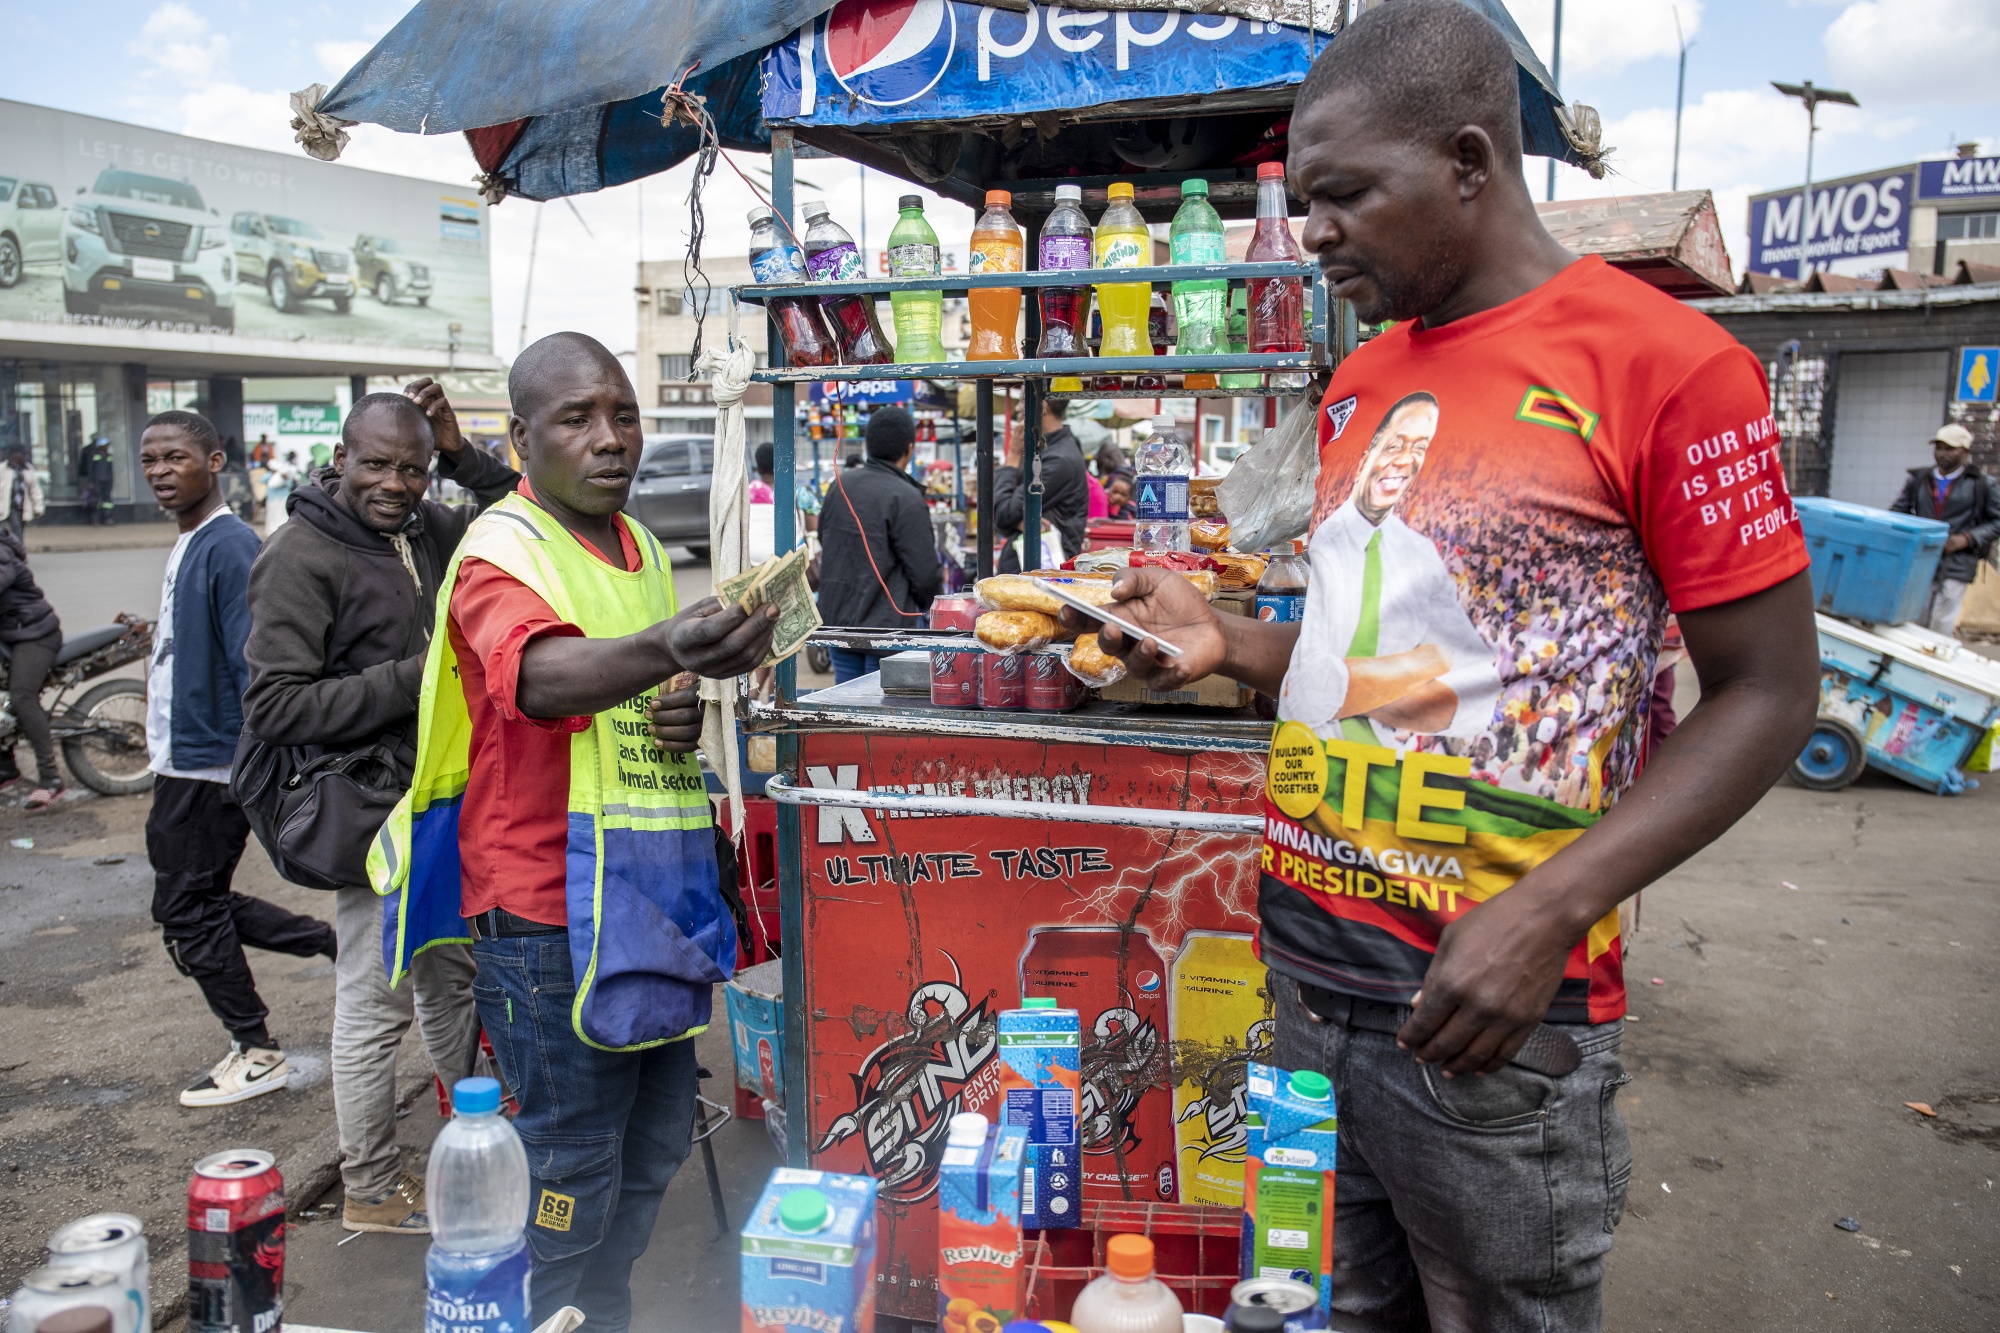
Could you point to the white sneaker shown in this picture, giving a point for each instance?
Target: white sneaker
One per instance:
(243, 1074)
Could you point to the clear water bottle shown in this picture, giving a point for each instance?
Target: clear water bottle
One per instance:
(1161, 492)
(1128, 1298)
(477, 1193)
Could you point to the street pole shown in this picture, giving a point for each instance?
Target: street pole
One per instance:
(528, 287)
(1812, 97)
(1556, 71)
(1680, 96)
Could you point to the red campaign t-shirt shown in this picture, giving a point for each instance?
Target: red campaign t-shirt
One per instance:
(513, 826)
(1508, 508)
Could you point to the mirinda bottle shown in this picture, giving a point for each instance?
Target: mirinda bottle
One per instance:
(1122, 241)
(997, 247)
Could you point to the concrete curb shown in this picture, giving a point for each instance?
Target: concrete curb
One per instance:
(309, 1172)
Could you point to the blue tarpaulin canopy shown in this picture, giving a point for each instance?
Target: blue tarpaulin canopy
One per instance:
(563, 97)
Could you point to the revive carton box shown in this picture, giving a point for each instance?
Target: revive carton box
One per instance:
(809, 1255)
(755, 1000)
(1041, 1050)
(1288, 1179)
(981, 1275)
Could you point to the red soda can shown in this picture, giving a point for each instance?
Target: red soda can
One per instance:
(955, 679)
(1003, 681)
(1115, 980)
(236, 1244)
(1051, 687)
(955, 611)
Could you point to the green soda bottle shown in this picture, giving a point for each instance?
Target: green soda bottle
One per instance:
(1200, 308)
(913, 253)
(1239, 338)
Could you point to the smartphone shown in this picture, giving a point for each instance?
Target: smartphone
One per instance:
(1105, 617)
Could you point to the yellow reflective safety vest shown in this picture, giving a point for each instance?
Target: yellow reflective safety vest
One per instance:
(649, 933)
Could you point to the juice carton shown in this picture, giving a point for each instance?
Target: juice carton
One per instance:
(1288, 1179)
(755, 998)
(980, 1272)
(1041, 1050)
(809, 1255)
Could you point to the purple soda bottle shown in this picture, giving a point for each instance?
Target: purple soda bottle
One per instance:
(831, 257)
(775, 258)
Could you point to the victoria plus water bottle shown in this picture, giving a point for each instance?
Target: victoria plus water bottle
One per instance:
(477, 1193)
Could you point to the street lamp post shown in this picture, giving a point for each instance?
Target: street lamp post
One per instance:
(1556, 73)
(1680, 96)
(1812, 97)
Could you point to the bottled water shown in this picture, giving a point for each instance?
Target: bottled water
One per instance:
(477, 1188)
(1161, 492)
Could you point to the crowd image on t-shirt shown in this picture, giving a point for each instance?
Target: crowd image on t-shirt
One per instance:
(1574, 615)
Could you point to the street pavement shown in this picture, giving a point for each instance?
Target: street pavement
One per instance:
(1831, 958)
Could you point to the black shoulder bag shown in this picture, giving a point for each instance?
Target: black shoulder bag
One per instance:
(316, 811)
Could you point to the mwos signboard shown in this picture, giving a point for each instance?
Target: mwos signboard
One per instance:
(115, 225)
(1863, 219)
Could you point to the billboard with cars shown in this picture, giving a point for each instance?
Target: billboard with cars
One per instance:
(112, 224)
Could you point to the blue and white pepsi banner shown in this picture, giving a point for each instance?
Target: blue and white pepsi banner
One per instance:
(879, 62)
(1855, 219)
(1959, 178)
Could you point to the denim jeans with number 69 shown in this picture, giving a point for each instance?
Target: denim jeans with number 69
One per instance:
(605, 1131)
(1466, 1205)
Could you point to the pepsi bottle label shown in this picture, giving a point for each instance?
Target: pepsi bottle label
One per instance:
(836, 263)
(780, 263)
(1161, 498)
(1281, 608)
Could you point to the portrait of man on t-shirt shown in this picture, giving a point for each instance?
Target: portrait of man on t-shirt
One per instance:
(1391, 648)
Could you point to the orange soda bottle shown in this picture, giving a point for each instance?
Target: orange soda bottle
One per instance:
(997, 247)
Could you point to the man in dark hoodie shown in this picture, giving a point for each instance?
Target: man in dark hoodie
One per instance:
(32, 637)
(342, 603)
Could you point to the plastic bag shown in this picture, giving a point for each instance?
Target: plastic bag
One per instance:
(1012, 632)
(1268, 495)
(1092, 665)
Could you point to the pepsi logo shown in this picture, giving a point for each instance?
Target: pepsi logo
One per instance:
(888, 52)
(1148, 982)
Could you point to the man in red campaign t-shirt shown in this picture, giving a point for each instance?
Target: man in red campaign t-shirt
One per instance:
(1519, 482)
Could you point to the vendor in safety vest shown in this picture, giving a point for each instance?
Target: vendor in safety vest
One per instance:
(556, 783)
(1506, 515)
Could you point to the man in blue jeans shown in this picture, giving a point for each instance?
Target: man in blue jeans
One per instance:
(580, 855)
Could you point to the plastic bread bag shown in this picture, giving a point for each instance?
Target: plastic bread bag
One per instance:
(1011, 632)
(1092, 665)
(1017, 592)
(1268, 494)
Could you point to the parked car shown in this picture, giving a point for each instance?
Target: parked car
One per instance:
(670, 492)
(292, 260)
(30, 227)
(133, 239)
(383, 267)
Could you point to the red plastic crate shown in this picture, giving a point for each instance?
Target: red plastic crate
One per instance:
(1197, 1251)
(757, 877)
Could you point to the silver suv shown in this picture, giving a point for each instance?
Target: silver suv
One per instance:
(292, 260)
(146, 240)
(30, 227)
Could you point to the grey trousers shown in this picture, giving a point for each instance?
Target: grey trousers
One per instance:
(369, 1020)
(1469, 1205)
(1947, 600)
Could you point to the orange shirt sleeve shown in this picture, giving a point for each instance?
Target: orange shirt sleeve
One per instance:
(498, 616)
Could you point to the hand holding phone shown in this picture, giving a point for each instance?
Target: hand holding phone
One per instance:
(1163, 608)
(1104, 616)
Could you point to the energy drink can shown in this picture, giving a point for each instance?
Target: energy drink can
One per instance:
(116, 1244)
(955, 679)
(1297, 1302)
(1113, 978)
(1003, 681)
(1219, 1011)
(236, 1244)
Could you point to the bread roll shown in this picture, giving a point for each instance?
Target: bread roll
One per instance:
(1093, 666)
(1015, 631)
(1017, 592)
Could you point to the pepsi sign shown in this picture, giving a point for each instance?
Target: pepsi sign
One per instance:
(875, 62)
(1867, 218)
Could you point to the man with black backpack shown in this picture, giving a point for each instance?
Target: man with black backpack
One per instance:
(342, 605)
(1955, 492)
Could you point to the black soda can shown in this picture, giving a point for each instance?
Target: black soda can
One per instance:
(236, 1244)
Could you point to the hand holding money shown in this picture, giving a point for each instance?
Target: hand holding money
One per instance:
(780, 582)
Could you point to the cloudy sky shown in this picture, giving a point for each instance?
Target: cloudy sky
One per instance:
(1924, 71)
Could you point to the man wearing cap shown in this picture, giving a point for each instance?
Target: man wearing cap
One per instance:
(1953, 491)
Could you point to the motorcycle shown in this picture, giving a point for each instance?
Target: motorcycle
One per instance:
(103, 732)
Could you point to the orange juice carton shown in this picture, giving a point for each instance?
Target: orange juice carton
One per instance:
(809, 1255)
(980, 1269)
(1041, 1049)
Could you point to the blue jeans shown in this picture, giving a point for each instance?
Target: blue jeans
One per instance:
(604, 1131)
(847, 665)
(1467, 1205)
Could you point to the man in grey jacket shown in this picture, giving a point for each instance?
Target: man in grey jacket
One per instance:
(342, 602)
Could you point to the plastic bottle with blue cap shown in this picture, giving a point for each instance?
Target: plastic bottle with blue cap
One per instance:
(477, 1192)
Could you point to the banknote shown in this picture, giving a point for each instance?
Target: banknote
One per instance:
(781, 580)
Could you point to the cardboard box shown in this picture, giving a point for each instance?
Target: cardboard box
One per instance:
(1208, 692)
(981, 1278)
(1040, 1081)
(755, 1001)
(817, 1278)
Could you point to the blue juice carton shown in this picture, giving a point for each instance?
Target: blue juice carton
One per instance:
(809, 1255)
(1288, 1179)
(1041, 1049)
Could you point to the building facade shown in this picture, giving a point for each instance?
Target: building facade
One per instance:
(1922, 216)
(671, 399)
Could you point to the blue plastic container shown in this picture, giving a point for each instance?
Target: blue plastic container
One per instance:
(1869, 564)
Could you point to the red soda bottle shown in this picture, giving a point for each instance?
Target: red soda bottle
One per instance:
(775, 258)
(1277, 305)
